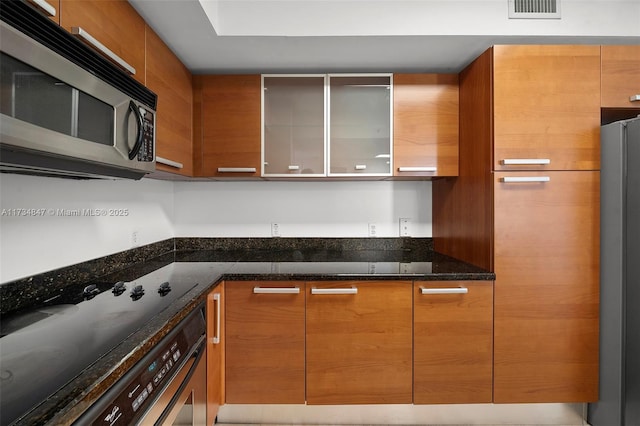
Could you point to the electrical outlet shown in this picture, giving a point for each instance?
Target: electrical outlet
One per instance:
(373, 230)
(405, 227)
(275, 229)
(134, 239)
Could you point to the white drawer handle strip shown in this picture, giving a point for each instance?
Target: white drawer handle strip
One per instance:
(526, 161)
(361, 167)
(417, 169)
(294, 167)
(80, 32)
(216, 301)
(169, 163)
(634, 98)
(456, 290)
(352, 290)
(236, 169)
(46, 7)
(526, 179)
(276, 290)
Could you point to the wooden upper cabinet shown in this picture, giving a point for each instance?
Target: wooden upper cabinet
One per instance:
(52, 10)
(227, 132)
(114, 23)
(265, 342)
(359, 345)
(171, 81)
(453, 342)
(425, 125)
(620, 76)
(546, 104)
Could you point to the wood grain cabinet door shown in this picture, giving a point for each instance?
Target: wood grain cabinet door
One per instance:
(547, 287)
(621, 76)
(114, 23)
(171, 81)
(546, 103)
(265, 337)
(228, 125)
(359, 342)
(453, 342)
(215, 352)
(425, 125)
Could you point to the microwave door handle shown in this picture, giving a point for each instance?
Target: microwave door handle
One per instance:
(136, 148)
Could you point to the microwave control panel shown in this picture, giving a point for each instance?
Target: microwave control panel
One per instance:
(146, 152)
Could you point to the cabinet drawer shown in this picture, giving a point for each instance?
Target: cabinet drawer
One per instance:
(453, 342)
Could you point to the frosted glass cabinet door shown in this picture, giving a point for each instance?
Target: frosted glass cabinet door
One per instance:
(293, 131)
(360, 125)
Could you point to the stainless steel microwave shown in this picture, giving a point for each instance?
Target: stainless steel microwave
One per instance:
(64, 109)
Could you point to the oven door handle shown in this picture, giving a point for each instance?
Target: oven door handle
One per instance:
(197, 356)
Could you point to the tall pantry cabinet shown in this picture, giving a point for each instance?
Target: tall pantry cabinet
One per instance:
(526, 206)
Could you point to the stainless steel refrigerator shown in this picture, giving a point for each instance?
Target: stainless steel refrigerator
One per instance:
(619, 402)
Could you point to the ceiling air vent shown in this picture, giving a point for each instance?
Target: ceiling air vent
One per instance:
(534, 9)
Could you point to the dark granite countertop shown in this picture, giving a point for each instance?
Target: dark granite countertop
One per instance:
(208, 262)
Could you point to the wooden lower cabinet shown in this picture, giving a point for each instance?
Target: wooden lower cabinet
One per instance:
(547, 288)
(453, 342)
(265, 342)
(359, 346)
(215, 352)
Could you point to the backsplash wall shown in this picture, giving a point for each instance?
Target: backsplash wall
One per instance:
(49, 223)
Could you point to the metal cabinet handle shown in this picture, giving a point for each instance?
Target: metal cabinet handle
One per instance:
(352, 290)
(84, 35)
(216, 305)
(276, 290)
(169, 163)
(526, 161)
(361, 167)
(524, 179)
(417, 169)
(454, 290)
(293, 168)
(634, 98)
(45, 7)
(236, 169)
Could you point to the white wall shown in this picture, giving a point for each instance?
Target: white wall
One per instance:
(35, 241)
(38, 234)
(302, 209)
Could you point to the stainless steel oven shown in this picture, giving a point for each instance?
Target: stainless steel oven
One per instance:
(167, 386)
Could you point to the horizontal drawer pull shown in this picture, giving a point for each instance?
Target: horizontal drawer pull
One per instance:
(352, 290)
(84, 35)
(634, 98)
(455, 290)
(361, 167)
(169, 163)
(293, 167)
(276, 290)
(526, 161)
(525, 179)
(236, 169)
(417, 169)
(45, 7)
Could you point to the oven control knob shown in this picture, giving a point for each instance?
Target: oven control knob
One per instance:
(90, 291)
(164, 289)
(137, 292)
(118, 288)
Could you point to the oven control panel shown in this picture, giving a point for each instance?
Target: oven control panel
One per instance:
(127, 401)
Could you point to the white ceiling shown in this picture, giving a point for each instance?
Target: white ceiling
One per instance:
(278, 36)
